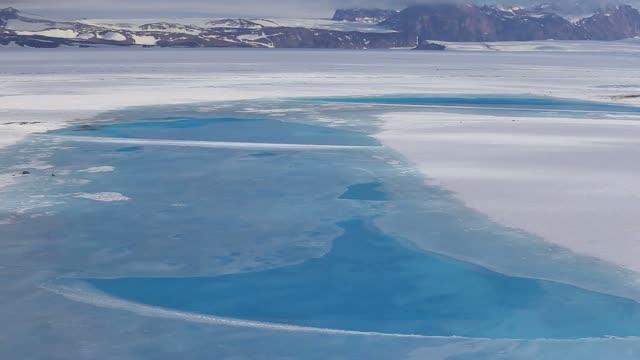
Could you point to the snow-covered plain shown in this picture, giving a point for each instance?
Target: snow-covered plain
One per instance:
(42, 89)
(572, 181)
(622, 46)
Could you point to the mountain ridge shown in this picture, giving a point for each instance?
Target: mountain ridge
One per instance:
(349, 29)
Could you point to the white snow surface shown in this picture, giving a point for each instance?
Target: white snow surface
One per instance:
(622, 46)
(144, 39)
(572, 181)
(112, 35)
(54, 33)
(251, 37)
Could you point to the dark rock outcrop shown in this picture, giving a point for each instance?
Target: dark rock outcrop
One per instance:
(310, 38)
(427, 45)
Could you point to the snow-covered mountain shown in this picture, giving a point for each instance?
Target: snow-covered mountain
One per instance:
(16, 27)
(350, 29)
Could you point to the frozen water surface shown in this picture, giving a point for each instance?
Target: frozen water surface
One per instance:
(333, 249)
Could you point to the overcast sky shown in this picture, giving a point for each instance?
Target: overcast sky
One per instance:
(181, 8)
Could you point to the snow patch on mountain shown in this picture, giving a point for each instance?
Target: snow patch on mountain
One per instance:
(53, 33)
(144, 39)
(21, 25)
(112, 36)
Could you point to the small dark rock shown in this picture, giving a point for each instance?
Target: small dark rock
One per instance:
(26, 172)
(426, 45)
(85, 127)
(627, 96)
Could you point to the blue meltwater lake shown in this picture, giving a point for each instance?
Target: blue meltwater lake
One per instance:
(371, 282)
(291, 235)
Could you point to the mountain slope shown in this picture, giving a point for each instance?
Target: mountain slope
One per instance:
(456, 22)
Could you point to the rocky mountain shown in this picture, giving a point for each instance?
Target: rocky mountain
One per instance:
(454, 22)
(6, 14)
(415, 26)
(468, 22)
(612, 23)
(368, 16)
